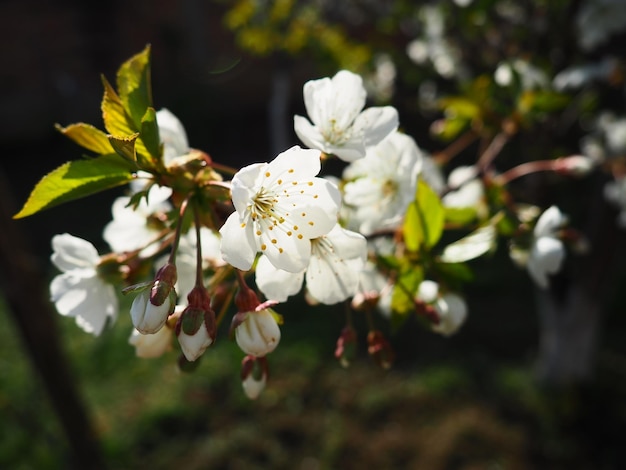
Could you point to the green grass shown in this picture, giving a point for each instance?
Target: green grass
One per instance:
(436, 412)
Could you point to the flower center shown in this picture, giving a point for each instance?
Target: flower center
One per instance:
(263, 203)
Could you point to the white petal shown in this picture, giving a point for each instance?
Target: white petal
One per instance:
(472, 246)
(452, 311)
(428, 291)
(71, 252)
(277, 284)
(309, 134)
(349, 151)
(89, 300)
(546, 257)
(293, 165)
(376, 123)
(238, 245)
(172, 134)
(245, 184)
(150, 346)
(549, 222)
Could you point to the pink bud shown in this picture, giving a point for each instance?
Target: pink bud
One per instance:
(379, 349)
(346, 346)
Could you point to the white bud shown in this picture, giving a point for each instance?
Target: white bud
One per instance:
(154, 345)
(193, 346)
(253, 387)
(452, 311)
(148, 318)
(258, 334)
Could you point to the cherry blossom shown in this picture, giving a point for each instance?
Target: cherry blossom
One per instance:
(547, 251)
(79, 291)
(380, 186)
(279, 207)
(339, 124)
(332, 275)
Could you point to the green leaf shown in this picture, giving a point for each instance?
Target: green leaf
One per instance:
(124, 145)
(472, 246)
(424, 219)
(460, 215)
(403, 294)
(87, 136)
(134, 87)
(116, 120)
(150, 134)
(77, 179)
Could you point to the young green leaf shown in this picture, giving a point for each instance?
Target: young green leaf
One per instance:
(87, 136)
(403, 294)
(424, 219)
(116, 120)
(134, 87)
(150, 134)
(77, 179)
(125, 146)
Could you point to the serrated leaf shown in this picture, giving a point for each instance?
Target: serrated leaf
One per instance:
(150, 134)
(424, 219)
(76, 179)
(124, 145)
(116, 119)
(134, 87)
(472, 246)
(87, 136)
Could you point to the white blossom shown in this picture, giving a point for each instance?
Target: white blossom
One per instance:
(194, 345)
(131, 229)
(331, 276)
(450, 307)
(339, 124)
(79, 292)
(380, 186)
(547, 251)
(279, 207)
(153, 345)
(172, 135)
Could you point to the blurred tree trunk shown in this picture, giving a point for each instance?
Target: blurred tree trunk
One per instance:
(23, 285)
(571, 312)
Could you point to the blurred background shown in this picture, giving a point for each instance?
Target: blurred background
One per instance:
(494, 396)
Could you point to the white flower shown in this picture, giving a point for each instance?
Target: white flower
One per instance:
(79, 292)
(332, 275)
(279, 207)
(340, 127)
(131, 229)
(254, 372)
(259, 334)
(154, 345)
(380, 186)
(547, 251)
(450, 307)
(466, 190)
(172, 135)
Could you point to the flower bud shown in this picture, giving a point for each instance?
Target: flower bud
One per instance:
(149, 318)
(346, 346)
(151, 308)
(379, 349)
(154, 345)
(163, 284)
(254, 375)
(196, 328)
(257, 332)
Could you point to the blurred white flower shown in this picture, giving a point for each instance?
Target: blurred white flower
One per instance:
(547, 251)
(79, 292)
(597, 20)
(339, 124)
(466, 189)
(172, 135)
(133, 229)
(450, 307)
(154, 345)
(380, 186)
